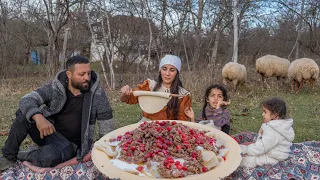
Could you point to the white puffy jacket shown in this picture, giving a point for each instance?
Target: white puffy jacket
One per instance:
(272, 145)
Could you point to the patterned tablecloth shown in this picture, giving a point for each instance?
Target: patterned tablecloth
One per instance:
(303, 163)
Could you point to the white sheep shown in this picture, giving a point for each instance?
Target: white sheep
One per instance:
(235, 73)
(303, 70)
(272, 66)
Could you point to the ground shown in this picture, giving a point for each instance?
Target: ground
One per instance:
(303, 107)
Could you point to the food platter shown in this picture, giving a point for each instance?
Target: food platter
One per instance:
(233, 157)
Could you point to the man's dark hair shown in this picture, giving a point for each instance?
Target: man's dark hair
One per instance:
(75, 60)
(276, 106)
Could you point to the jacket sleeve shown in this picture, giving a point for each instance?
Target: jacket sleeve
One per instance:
(185, 102)
(221, 117)
(134, 99)
(30, 103)
(105, 119)
(264, 143)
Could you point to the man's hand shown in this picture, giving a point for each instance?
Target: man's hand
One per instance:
(45, 127)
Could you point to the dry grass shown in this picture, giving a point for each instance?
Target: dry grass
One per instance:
(302, 107)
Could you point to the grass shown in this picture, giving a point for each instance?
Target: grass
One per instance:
(303, 107)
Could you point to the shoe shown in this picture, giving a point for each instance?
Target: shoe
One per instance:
(27, 154)
(5, 164)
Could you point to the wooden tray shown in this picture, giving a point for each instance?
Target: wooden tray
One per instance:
(233, 158)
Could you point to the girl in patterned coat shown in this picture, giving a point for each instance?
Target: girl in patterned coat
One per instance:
(214, 111)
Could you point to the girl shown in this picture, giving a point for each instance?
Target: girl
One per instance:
(214, 111)
(168, 81)
(275, 137)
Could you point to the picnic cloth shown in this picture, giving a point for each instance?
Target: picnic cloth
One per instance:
(303, 163)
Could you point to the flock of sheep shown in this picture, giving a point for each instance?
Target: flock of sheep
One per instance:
(298, 72)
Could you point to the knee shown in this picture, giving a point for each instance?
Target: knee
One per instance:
(50, 156)
(20, 117)
(47, 157)
(67, 152)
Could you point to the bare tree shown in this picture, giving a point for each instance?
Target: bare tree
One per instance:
(109, 48)
(217, 26)
(57, 16)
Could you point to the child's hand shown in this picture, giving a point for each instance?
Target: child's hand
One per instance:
(261, 131)
(223, 103)
(244, 155)
(190, 113)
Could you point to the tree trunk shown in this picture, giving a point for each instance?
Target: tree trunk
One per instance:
(213, 58)
(147, 9)
(163, 19)
(109, 50)
(299, 29)
(235, 31)
(198, 28)
(185, 51)
(50, 58)
(94, 43)
(64, 49)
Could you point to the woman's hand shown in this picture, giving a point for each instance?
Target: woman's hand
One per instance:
(125, 92)
(190, 113)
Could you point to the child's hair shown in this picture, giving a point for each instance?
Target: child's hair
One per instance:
(276, 106)
(206, 95)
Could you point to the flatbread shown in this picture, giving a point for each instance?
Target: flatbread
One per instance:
(208, 155)
(105, 146)
(152, 102)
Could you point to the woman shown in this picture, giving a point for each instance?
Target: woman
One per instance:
(168, 81)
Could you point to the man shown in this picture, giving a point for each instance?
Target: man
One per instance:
(60, 118)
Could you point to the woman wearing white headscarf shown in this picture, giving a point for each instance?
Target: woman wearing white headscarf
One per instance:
(169, 82)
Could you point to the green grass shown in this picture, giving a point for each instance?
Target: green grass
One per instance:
(304, 108)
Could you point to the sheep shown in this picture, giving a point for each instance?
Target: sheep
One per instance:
(272, 66)
(303, 70)
(234, 72)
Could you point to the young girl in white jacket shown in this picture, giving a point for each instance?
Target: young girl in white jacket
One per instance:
(274, 139)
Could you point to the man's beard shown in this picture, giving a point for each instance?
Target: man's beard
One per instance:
(81, 86)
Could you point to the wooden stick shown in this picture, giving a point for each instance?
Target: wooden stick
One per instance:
(176, 95)
(172, 95)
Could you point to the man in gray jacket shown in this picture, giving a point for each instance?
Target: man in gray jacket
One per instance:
(60, 118)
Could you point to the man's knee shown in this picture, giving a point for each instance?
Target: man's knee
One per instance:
(50, 156)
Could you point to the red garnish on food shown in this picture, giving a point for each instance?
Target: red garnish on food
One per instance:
(204, 169)
(140, 168)
(166, 142)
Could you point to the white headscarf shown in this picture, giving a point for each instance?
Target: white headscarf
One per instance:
(172, 60)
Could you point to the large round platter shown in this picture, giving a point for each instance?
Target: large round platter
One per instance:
(233, 158)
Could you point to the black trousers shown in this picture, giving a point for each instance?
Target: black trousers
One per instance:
(54, 149)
